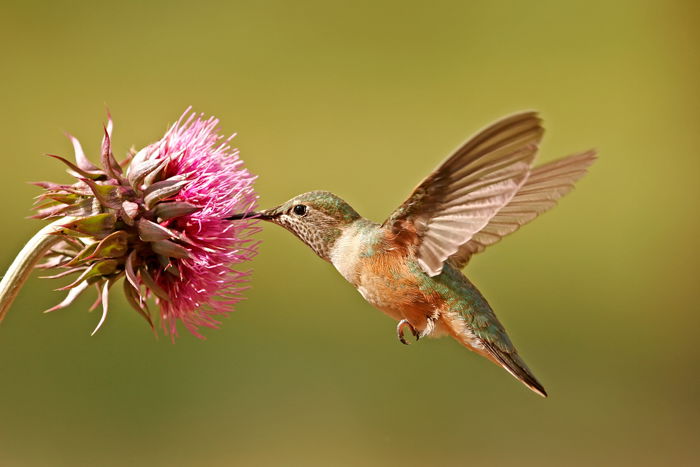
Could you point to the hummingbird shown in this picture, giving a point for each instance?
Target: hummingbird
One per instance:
(409, 266)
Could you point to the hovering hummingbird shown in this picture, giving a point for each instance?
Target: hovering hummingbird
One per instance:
(409, 266)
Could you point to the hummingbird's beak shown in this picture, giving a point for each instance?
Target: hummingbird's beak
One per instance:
(264, 215)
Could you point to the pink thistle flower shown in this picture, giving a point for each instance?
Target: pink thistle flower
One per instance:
(207, 285)
(157, 220)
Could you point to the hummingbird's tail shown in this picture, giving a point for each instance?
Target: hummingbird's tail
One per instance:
(514, 365)
(494, 345)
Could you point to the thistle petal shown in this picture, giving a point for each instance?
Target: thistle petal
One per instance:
(112, 246)
(50, 185)
(98, 301)
(152, 232)
(53, 262)
(105, 305)
(65, 273)
(74, 169)
(130, 270)
(64, 198)
(171, 210)
(133, 298)
(99, 225)
(139, 158)
(99, 269)
(128, 212)
(138, 171)
(55, 187)
(108, 195)
(129, 157)
(70, 297)
(69, 244)
(170, 266)
(110, 124)
(170, 249)
(151, 177)
(51, 211)
(82, 161)
(109, 163)
(84, 208)
(162, 190)
(153, 286)
(86, 253)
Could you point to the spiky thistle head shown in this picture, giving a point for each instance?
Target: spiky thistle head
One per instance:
(156, 220)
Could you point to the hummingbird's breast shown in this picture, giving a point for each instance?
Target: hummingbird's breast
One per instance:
(380, 269)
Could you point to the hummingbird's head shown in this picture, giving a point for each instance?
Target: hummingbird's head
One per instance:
(316, 217)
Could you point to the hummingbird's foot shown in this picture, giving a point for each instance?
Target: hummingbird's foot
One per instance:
(429, 325)
(399, 331)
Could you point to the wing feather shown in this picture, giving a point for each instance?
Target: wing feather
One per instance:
(545, 185)
(461, 196)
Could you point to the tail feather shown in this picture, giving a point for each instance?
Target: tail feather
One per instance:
(514, 365)
(503, 354)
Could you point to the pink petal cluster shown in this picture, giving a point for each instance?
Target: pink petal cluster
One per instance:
(208, 282)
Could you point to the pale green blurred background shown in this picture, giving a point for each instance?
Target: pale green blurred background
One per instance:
(364, 98)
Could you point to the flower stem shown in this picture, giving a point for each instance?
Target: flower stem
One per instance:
(20, 269)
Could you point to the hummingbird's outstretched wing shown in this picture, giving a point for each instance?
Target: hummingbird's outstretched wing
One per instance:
(540, 192)
(461, 196)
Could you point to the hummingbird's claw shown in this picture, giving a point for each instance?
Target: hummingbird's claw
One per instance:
(399, 331)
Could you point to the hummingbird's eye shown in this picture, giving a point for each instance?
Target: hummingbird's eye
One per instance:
(300, 209)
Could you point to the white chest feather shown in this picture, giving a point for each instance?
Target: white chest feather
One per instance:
(345, 255)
